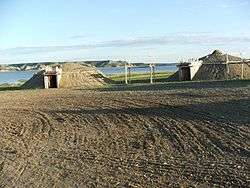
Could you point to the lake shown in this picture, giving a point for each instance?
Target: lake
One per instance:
(120, 70)
(12, 77)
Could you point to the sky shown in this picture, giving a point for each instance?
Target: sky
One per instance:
(131, 30)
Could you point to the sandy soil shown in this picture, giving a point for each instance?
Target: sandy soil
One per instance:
(152, 137)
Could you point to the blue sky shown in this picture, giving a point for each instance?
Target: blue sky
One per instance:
(138, 30)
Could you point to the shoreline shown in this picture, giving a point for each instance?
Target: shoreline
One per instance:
(6, 71)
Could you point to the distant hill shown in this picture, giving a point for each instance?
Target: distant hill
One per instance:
(25, 66)
(40, 66)
(107, 63)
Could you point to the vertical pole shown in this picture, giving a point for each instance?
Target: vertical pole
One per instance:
(242, 66)
(242, 70)
(227, 67)
(126, 73)
(151, 73)
(154, 73)
(129, 73)
(46, 82)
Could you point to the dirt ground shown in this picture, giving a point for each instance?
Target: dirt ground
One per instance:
(143, 136)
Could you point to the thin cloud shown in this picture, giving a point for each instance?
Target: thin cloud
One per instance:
(229, 4)
(180, 39)
(78, 37)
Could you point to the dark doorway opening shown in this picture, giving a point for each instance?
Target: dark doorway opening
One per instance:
(186, 74)
(52, 81)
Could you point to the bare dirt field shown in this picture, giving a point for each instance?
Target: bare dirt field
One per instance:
(169, 135)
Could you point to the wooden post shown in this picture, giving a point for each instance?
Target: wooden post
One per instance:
(129, 73)
(152, 73)
(46, 82)
(180, 72)
(126, 73)
(242, 69)
(227, 67)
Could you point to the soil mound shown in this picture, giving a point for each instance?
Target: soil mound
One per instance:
(174, 77)
(218, 57)
(73, 75)
(77, 75)
(211, 72)
(35, 82)
(214, 67)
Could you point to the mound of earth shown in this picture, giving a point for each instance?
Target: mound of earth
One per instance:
(76, 75)
(214, 67)
(211, 72)
(174, 77)
(73, 75)
(218, 57)
(235, 71)
(35, 82)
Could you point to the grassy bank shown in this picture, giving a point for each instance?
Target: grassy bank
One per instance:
(140, 77)
(9, 88)
(12, 86)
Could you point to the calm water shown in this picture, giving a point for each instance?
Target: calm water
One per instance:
(120, 70)
(12, 77)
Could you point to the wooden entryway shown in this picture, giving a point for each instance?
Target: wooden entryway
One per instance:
(185, 74)
(52, 81)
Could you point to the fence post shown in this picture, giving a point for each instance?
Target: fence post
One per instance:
(126, 73)
(129, 73)
(152, 72)
(227, 67)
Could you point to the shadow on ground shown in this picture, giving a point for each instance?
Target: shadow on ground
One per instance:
(179, 85)
(223, 118)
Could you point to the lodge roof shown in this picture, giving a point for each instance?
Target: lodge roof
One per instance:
(218, 57)
(49, 73)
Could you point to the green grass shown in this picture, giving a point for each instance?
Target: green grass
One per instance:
(9, 88)
(140, 77)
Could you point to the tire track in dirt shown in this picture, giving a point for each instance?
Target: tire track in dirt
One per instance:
(180, 131)
(147, 167)
(141, 139)
(175, 131)
(206, 119)
(30, 124)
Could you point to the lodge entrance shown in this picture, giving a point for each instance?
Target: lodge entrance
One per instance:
(52, 81)
(186, 74)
